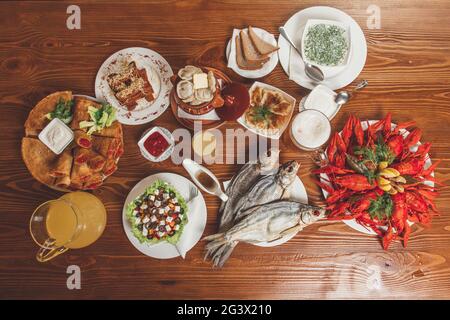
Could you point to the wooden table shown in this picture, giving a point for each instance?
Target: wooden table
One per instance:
(408, 67)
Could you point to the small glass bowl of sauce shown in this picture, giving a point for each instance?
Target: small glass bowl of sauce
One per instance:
(156, 144)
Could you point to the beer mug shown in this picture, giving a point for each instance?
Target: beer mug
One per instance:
(74, 221)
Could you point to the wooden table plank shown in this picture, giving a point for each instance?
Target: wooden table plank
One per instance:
(408, 68)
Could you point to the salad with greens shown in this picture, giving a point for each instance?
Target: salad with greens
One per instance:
(100, 118)
(326, 45)
(159, 214)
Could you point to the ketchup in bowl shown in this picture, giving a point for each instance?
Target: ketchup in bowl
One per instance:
(156, 144)
(236, 101)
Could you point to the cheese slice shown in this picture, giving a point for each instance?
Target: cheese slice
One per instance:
(200, 81)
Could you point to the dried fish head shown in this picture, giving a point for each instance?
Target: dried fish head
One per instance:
(311, 214)
(265, 223)
(287, 173)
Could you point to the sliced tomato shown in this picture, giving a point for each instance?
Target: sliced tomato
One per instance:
(84, 143)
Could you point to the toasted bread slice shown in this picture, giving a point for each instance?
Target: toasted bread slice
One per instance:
(264, 48)
(250, 53)
(240, 60)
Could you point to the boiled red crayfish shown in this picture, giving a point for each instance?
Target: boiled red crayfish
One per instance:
(380, 167)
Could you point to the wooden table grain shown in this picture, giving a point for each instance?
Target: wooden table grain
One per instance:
(408, 68)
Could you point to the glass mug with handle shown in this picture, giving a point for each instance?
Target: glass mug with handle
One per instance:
(74, 221)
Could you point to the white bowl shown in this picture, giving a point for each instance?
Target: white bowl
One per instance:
(265, 133)
(56, 123)
(166, 154)
(313, 22)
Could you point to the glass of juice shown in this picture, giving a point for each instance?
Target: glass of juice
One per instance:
(74, 221)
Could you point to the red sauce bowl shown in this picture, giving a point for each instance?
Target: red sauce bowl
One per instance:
(156, 144)
(236, 101)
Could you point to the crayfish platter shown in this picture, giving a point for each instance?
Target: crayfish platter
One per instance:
(353, 223)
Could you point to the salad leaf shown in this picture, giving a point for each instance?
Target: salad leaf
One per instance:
(62, 111)
(100, 118)
(382, 207)
(261, 114)
(380, 152)
(149, 191)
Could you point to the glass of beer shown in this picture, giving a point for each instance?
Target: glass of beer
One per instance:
(74, 221)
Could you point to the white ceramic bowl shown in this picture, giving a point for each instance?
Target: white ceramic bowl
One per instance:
(265, 133)
(312, 22)
(56, 123)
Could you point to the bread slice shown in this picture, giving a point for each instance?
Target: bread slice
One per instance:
(264, 48)
(241, 61)
(250, 53)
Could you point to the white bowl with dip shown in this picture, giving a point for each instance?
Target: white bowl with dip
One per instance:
(166, 135)
(56, 136)
(328, 23)
(310, 129)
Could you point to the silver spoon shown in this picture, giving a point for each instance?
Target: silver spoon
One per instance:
(311, 71)
(343, 96)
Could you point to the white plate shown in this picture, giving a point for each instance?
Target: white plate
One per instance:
(267, 67)
(298, 193)
(352, 223)
(158, 73)
(264, 133)
(196, 214)
(358, 47)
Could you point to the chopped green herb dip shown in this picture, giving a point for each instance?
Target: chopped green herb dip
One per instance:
(326, 45)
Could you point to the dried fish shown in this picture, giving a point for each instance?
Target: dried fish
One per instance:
(266, 189)
(241, 182)
(266, 223)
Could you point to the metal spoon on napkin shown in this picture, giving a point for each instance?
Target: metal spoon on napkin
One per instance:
(311, 71)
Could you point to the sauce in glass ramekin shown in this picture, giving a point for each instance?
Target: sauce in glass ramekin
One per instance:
(156, 144)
